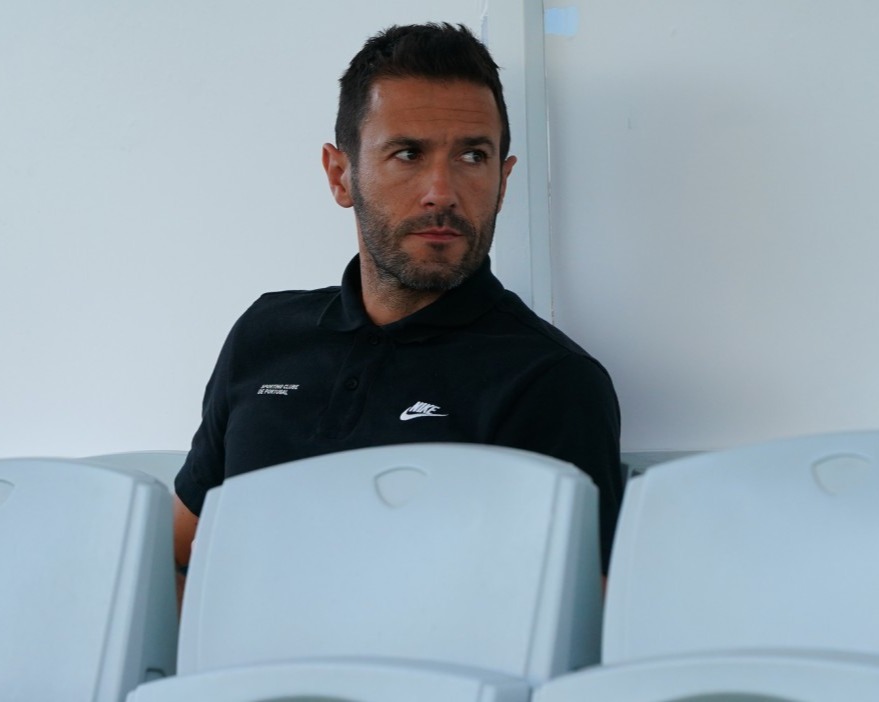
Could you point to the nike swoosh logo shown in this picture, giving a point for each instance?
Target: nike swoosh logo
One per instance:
(406, 416)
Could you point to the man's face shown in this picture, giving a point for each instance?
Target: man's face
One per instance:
(429, 181)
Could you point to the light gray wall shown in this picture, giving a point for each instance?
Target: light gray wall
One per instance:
(159, 169)
(715, 211)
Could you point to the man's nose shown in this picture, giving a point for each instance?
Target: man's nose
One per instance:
(439, 191)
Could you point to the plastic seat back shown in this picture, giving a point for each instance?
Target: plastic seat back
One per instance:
(768, 546)
(87, 604)
(163, 465)
(479, 556)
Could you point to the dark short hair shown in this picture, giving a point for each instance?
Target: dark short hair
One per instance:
(439, 52)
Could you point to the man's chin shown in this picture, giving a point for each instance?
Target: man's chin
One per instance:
(432, 277)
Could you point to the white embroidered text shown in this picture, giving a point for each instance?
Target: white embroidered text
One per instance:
(276, 389)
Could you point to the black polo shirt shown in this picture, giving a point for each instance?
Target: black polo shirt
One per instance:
(305, 373)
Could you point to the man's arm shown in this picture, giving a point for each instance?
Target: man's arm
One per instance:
(571, 413)
(185, 523)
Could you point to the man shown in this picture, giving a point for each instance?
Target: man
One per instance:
(421, 342)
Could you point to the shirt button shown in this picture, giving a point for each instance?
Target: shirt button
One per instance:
(373, 340)
(351, 383)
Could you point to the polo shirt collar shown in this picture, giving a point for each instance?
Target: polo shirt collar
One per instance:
(455, 308)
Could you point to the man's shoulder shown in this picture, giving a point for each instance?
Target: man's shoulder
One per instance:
(292, 301)
(283, 308)
(556, 346)
(518, 315)
(282, 298)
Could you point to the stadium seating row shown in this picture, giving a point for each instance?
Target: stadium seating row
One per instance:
(444, 571)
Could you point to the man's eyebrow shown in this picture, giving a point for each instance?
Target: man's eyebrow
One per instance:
(483, 141)
(405, 142)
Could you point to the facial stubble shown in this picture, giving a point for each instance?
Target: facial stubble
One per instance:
(383, 243)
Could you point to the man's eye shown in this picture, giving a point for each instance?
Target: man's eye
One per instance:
(406, 155)
(475, 156)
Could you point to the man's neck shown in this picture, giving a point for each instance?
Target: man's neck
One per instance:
(387, 301)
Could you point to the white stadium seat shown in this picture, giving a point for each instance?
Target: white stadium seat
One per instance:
(471, 555)
(774, 546)
(422, 571)
(87, 604)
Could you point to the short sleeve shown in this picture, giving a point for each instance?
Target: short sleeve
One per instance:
(204, 467)
(571, 412)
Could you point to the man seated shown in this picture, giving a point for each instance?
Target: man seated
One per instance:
(420, 342)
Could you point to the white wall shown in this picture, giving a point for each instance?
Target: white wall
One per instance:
(159, 169)
(715, 211)
(715, 165)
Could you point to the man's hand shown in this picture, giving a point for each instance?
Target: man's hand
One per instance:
(185, 523)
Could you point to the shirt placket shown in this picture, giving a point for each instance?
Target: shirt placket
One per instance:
(353, 382)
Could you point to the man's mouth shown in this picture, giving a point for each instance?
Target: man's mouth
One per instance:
(437, 234)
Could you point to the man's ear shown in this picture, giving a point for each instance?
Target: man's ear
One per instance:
(338, 169)
(506, 169)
